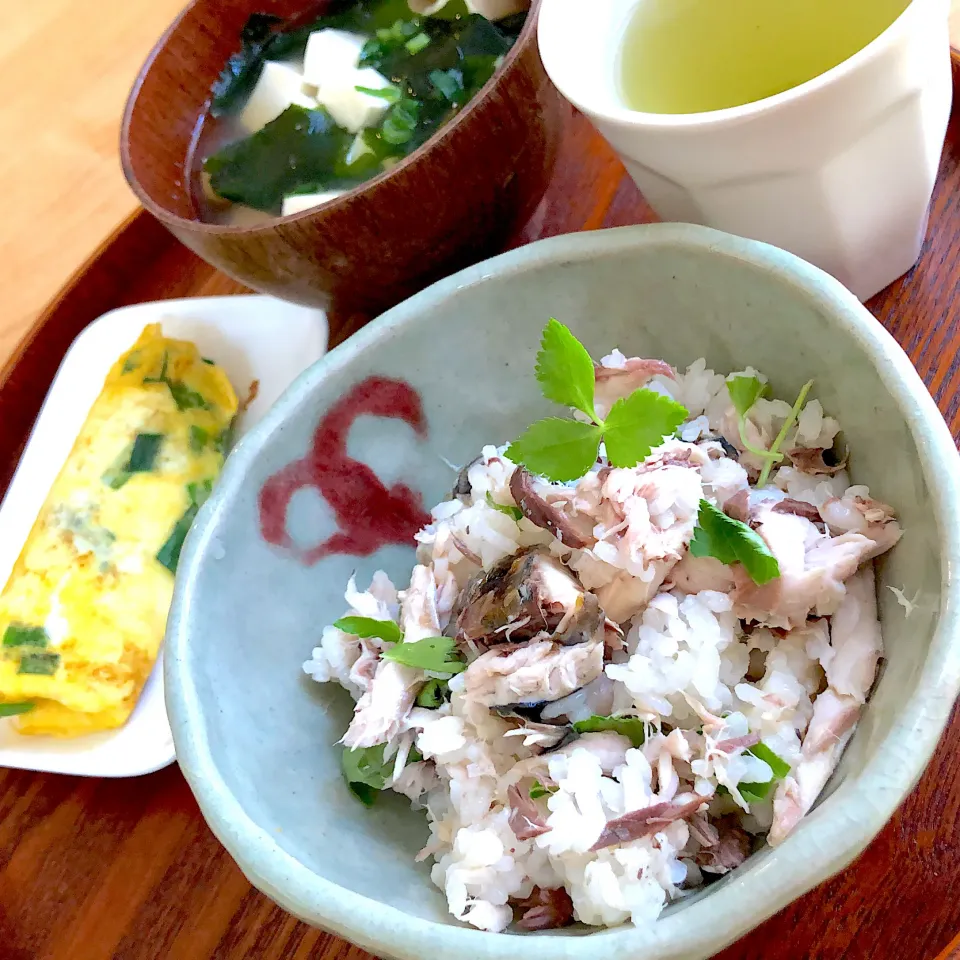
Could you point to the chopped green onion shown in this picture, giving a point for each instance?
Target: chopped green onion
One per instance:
(162, 376)
(390, 94)
(131, 363)
(199, 492)
(13, 709)
(198, 438)
(208, 361)
(169, 554)
(146, 446)
(448, 82)
(185, 398)
(405, 36)
(21, 635)
(138, 458)
(116, 475)
(400, 122)
(417, 43)
(372, 53)
(401, 30)
(39, 664)
(224, 440)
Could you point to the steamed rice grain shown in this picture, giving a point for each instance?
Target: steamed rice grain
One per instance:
(726, 705)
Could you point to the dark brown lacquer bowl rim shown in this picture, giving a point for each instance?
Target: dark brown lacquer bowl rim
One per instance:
(526, 36)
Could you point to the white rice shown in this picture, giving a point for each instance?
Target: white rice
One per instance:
(701, 667)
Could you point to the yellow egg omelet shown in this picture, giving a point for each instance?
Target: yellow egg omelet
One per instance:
(83, 614)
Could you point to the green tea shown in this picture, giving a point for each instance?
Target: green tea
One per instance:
(692, 56)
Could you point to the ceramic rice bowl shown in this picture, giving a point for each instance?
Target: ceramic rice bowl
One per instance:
(265, 567)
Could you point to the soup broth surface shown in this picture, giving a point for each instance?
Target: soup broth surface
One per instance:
(310, 108)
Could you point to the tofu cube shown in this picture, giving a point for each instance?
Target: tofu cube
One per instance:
(358, 150)
(307, 201)
(330, 57)
(491, 9)
(280, 86)
(351, 109)
(497, 9)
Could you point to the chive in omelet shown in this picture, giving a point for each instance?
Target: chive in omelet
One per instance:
(83, 613)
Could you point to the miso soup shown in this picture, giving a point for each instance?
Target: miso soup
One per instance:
(307, 110)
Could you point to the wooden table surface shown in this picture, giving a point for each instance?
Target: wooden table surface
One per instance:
(65, 69)
(93, 869)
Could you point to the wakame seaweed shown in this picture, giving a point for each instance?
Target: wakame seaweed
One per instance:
(262, 39)
(300, 147)
(436, 63)
(365, 16)
(243, 69)
(471, 46)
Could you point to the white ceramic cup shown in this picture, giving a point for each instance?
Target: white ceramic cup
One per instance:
(838, 170)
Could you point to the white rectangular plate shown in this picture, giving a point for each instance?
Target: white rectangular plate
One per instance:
(252, 338)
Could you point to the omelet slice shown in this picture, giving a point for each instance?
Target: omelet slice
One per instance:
(83, 613)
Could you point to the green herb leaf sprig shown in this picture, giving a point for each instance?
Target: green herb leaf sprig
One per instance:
(564, 450)
(433, 654)
(744, 393)
(367, 627)
(515, 513)
(633, 728)
(753, 792)
(730, 541)
(366, 772)
(539, 790)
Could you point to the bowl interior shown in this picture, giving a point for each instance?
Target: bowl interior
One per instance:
(168, 105)
(249, 724)
(170, 99)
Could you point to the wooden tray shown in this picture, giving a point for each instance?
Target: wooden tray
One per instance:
(91, 870)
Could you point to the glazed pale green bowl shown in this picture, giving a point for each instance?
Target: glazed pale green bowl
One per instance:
(256, 739)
